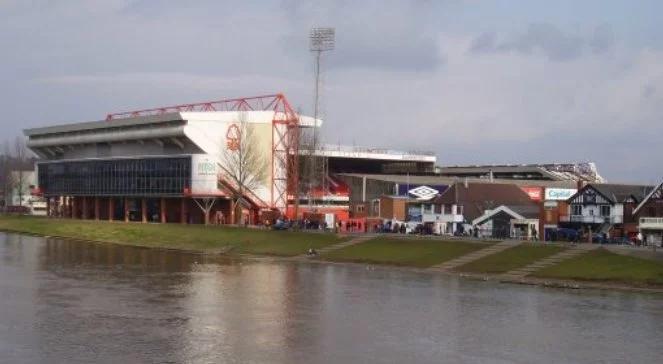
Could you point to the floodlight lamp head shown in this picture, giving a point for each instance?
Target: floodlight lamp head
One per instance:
(322, 39)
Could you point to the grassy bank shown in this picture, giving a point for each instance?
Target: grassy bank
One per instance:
(603, 265)
(174, 236)
(510, 259)
(404, 252)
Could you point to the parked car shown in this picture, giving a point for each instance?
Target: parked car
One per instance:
(622, 240)
(13, 209)
(566, 234)
(598, 238)
(281, 225)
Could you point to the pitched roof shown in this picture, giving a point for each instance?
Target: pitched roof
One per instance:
(651, 193)
(531, 211)
(618, 193)
(516, 212)
(478, 197)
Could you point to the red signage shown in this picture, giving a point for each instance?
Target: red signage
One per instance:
(534, 193)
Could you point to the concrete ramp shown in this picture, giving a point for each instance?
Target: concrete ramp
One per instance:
(467, 258)
(548, 261)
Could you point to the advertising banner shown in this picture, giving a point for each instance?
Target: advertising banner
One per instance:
(559, 194)
(204, 172)
(421, 192)
(534, 193)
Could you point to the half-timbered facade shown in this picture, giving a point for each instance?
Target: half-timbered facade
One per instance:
(649, 214)
(605, 208)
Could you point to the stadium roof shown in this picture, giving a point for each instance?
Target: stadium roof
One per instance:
(442, 180)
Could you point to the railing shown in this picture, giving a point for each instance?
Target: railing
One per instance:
(593, 219)
(355, 149)
(651, 222)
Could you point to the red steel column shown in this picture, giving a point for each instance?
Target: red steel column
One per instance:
(126, 209)
(162, 210)
(96, 208)
(111, 208)
(183, 211)
(143, 210)
(84, 212)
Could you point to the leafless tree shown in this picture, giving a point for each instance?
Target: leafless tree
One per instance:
(313, 168)
(21, 161)
(7, 181)
(244, 167)
(205, 204)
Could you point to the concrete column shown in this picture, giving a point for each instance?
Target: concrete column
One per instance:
(143, 210)
(162, 210)
(126, 209)
(72, 207)
(48, 207)
(111, 208)
(183, 210)
(96, 208)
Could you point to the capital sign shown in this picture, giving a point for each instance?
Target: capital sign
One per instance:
(557, 194)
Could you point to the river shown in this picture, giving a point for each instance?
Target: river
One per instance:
(73, 302)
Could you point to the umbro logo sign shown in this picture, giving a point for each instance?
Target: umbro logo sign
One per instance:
(423, 192)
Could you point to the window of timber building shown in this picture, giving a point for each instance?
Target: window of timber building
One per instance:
(605, 210)
(576, 210)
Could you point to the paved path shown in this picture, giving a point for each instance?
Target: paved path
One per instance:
(330, 248)
(548, 261)
(467, 258)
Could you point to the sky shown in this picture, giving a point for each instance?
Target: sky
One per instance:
(476, 82)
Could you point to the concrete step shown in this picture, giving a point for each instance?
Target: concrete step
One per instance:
(345, 244)
(449, 265)
(546, 262)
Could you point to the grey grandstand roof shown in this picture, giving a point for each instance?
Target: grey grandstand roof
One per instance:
(103, 124)
(441, 180)
(585, 171)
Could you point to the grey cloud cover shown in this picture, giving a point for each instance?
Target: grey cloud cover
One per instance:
(405, 74)
(548, 39)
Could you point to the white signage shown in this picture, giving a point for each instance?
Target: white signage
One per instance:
(204, 174)
(423, 192)
(558, 194)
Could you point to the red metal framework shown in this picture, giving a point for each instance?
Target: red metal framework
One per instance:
(285, 135)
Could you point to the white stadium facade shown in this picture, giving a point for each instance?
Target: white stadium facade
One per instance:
(166, 164)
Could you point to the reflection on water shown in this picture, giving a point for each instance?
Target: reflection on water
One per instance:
(67, 301)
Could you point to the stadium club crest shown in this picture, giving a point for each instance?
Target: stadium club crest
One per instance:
(232, 137)
(423, 192)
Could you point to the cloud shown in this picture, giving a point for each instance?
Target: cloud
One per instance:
(389, 35)
(400, 77)
(547, 39)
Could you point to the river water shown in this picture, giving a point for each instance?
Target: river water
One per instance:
(72, 302)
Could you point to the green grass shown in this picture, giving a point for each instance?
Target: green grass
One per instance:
(404, 252)
(510, 259)
(175, 236)
(603, 265)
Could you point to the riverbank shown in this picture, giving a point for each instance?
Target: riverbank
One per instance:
(198, 238)
(596, 269)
